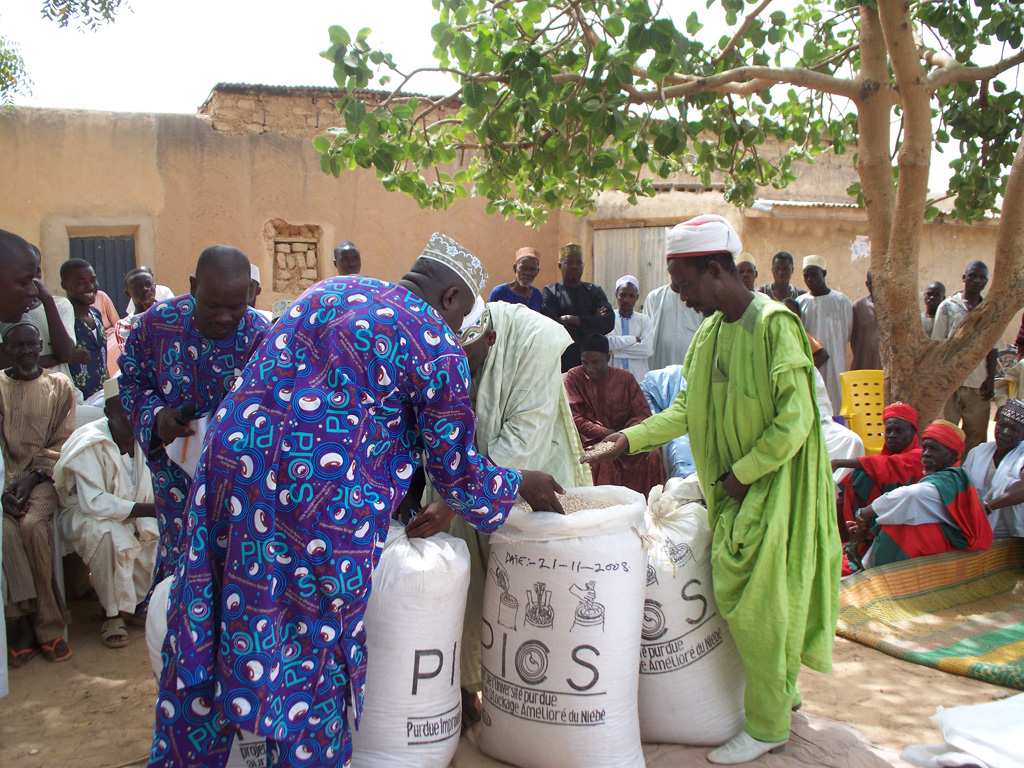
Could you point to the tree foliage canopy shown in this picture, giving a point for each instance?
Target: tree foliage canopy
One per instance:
(560, 99)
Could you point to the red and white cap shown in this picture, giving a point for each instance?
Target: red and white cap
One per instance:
(702, 236)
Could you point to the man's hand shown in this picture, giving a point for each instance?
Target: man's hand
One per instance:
(735, 488)
(13, 506)
(540, 491)
(621, 446)
(42, 290)
(570, 320)
(603, 311)
(168, 428)
(80, 356)
(142, 509)
(432, 519)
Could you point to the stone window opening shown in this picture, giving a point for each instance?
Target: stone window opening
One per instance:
(295, 250)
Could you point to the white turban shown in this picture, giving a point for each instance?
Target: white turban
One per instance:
(700, 236)
(444, 250)
(745, 258)
(476, 324)
(627, 280)
(111, 388)
(254, 272)
(815, 261)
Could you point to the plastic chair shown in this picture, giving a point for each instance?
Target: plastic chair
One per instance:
(863, 403)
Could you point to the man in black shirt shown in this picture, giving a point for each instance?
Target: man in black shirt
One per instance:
(582, 308)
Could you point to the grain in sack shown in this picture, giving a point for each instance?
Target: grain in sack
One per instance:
(691, 674)
(412, 707)
(563, 605)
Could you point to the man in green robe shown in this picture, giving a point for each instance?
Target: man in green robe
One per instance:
(757, 443)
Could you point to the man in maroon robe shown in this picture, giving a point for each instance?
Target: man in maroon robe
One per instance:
(606, 400)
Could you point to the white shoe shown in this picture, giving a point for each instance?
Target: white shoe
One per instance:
(742, 748)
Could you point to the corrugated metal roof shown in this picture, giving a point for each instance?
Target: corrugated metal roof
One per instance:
(767, 205)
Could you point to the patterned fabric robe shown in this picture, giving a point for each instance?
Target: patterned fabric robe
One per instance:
(304, 465)
(167, 363)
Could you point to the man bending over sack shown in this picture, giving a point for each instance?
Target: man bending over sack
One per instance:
(941, 513)
(522, 420)
(107, 514)
(997, 470)
(750, 410)
(307, 459)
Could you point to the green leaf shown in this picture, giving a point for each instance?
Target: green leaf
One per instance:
(614, 26)
(339, 36)
(363, 33)
(693, 25)
(355, 113)
(322, 144)
(665, 145)
(473, 94)
(382, 160)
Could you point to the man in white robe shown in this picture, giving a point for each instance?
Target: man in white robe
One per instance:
(997, 470)
(631, 341)
(523, 420)
(842, 443)
(828, 317)
(107, 513)
(675, 325)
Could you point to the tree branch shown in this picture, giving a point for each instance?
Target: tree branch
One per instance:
(952, 71)
(731, 45)
(748, 79)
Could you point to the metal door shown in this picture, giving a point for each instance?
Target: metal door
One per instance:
(637, 251)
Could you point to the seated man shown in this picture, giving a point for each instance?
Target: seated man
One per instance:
(941, 513)
(661, 387)
(606, 400)
(37, 414)
(997, 470)
(898, 464)
(107, 514)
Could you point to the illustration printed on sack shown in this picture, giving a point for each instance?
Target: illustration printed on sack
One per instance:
(700, 633)
(652, 575)
(554, 677)
(538, 606)
(508, 609)
(589, 613)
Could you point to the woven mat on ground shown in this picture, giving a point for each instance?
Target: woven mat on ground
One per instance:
(814, 741)
(959, 612)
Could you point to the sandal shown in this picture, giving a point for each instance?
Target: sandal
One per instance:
(113, 633)
(136, 619)
(58, 650)
(16, 659)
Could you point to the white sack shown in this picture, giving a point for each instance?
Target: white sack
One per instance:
(412, 708)
(691, 674)
(989, 734)
(563, 605)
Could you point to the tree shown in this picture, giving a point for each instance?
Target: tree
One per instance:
(88, 14)
(558, 100)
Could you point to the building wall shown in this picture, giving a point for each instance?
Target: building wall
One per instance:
(180, 183)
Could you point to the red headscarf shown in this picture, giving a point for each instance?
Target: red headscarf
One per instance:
(901, 411)
(947, 434)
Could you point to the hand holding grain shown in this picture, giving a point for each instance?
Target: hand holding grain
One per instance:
(608, 449)
(540, 490)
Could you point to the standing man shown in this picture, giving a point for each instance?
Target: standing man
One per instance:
(828, 316)
(255, 289)
(749, 409)
(141, 292)
(782, 273)
(969, 404)
(521, 290)
(674, 327)
(581, 308)
(178, 363)
(347, 259)
(292, 499)
(37, 415)
(632, 339)
(78, 279)
(864, 333)
(935, 294)
(747, 270)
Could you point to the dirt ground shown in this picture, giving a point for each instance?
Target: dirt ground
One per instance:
(96, 710)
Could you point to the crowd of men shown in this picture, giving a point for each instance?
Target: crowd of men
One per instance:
(193, 441)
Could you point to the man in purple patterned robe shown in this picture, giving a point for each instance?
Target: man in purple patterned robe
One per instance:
(186, 351)
(305, 463)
